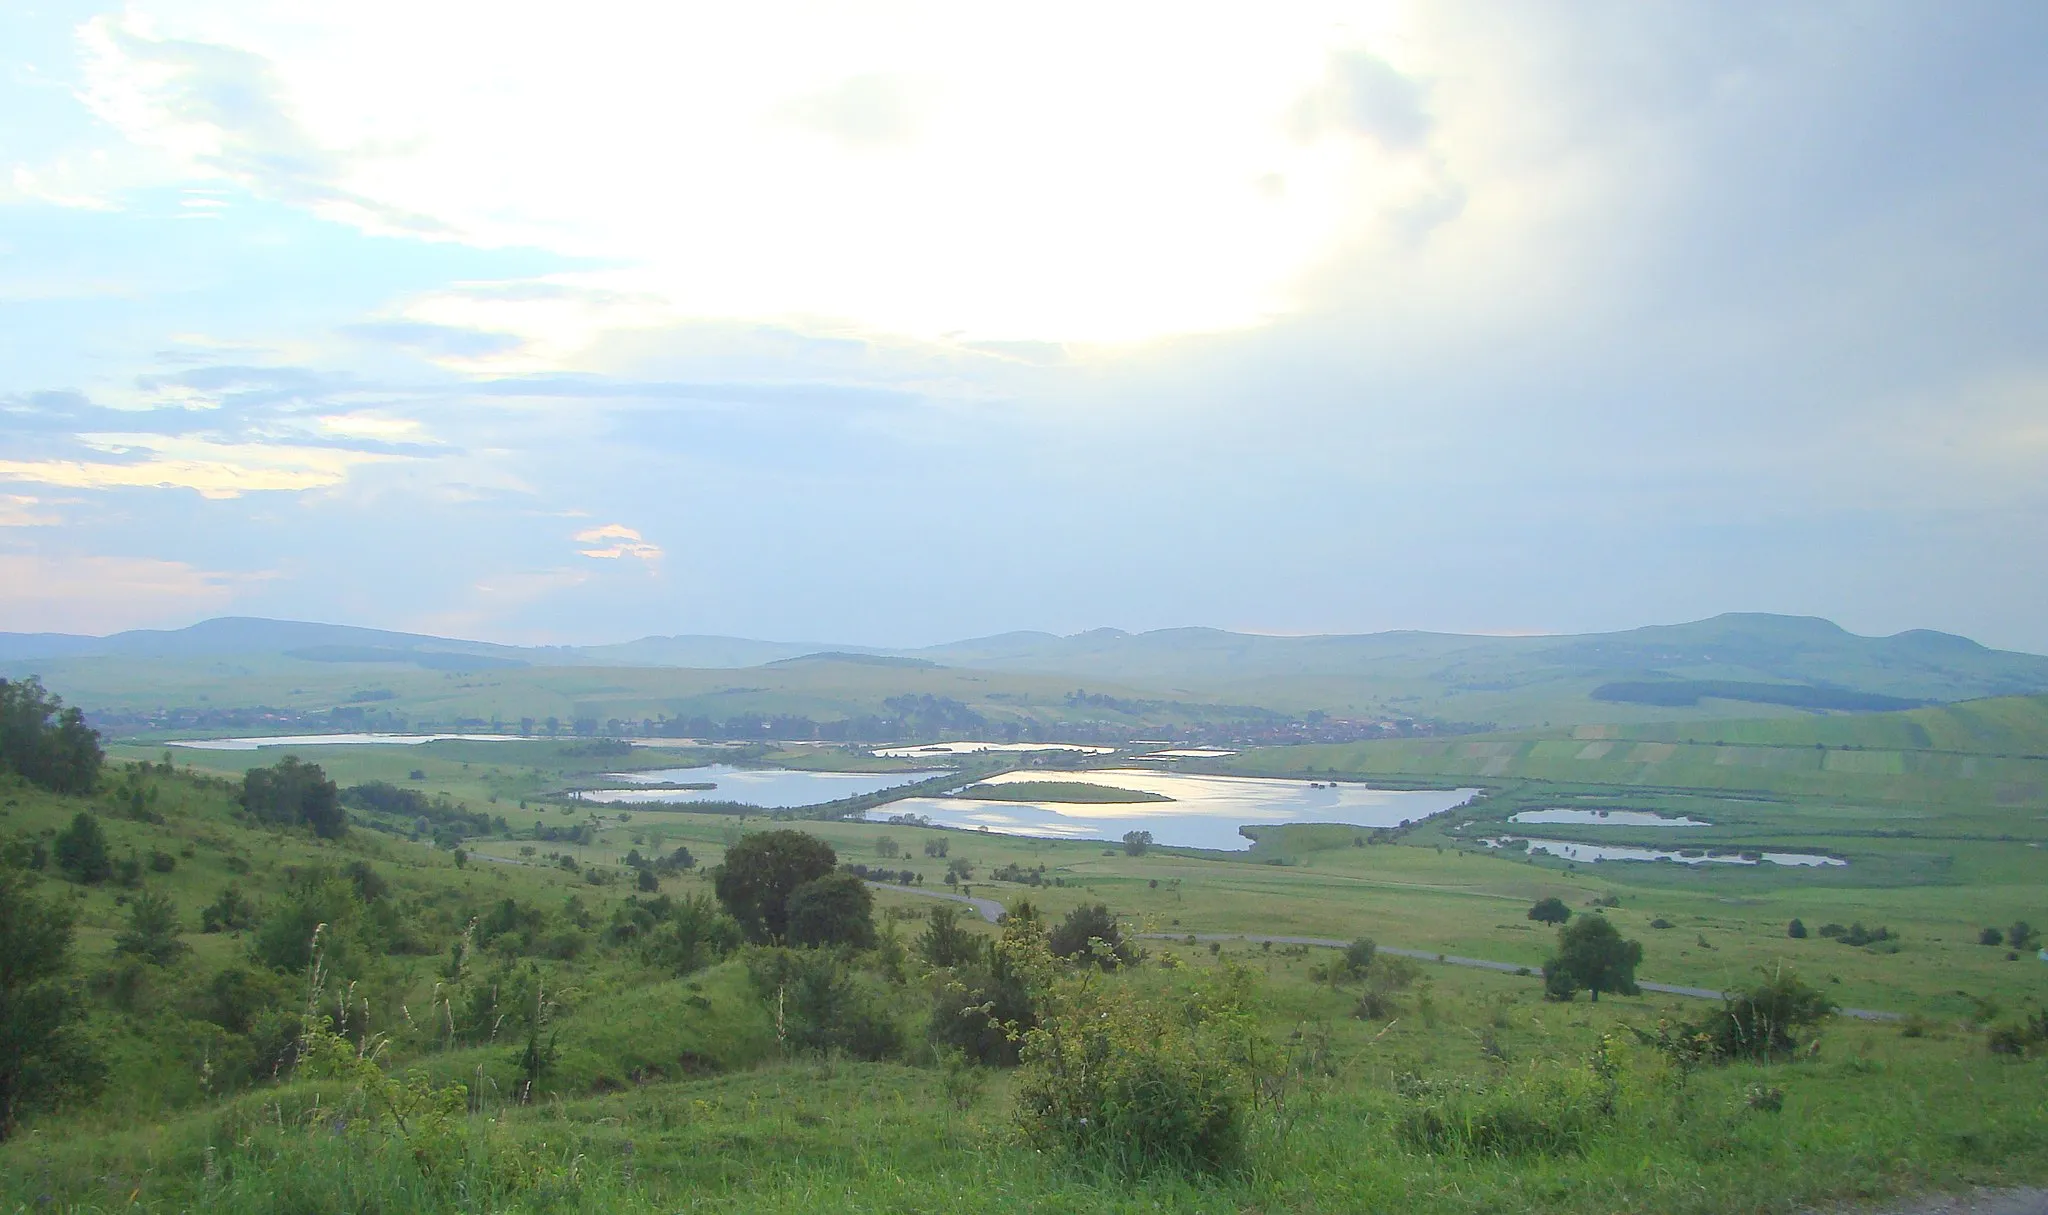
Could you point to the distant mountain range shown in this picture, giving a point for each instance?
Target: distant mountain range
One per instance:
(1793, 662)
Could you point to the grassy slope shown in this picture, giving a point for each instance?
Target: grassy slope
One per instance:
(1877, 1113)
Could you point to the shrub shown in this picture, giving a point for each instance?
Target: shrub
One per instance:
(985, 1007)
(1796, 930)
(152, 931)
(1140, 1082)
(1660, 923)
(1550, 911)
(82, 850)
(1550, 1110)
(1991, 936)
(2021, 935)
(1761, 1023)
(230, 911)
(43, 1057)
(821, 1003)
(2026, 1036)
(1384, 979)
(1090, 934)
(292, 793)
(944, 943)
(836, 909)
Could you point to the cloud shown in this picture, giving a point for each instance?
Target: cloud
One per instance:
(224, 110)
(1363, 94)
(213, 470)
(100, 594)
(875, 109)
(615, 540)
(437, 341)
(18, 510)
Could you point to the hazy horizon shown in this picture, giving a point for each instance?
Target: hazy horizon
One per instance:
(908, 324)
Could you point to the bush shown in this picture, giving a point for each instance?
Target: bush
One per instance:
(291, 793)
(944, 943)
(43, 1057)
(1991, 936)
(836, 909)
(1384, 979)
(984, 1007)
(1090, 934)
(1761, 1023)
(821, 1003)
(152, 931)
(231, 911)
(82, 850)
(1140, 1082)
(1796, 930)
(1549, 1111)
(1550, 911)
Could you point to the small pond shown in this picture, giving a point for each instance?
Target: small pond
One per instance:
(1206, 811)
(1691, 856)
(337, 740)
(1606, 818)
(768, 788)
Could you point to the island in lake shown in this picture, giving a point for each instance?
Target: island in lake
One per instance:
(1056, 791)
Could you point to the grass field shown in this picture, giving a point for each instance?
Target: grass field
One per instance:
(670, 1088)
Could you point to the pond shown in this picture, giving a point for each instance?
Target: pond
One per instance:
(1691, 856)
(336, 740)
(1206, 811)
(1606, 818)
(768, 788)
(976, 748)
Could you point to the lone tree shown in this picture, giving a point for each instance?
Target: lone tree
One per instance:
(1550, 911)
(762, 871)
(42, 1058)
(45, 743)
(152, 931)
(1591, 955)
(293, 792)
(82, 850)
(836, 909)
(1137, 843)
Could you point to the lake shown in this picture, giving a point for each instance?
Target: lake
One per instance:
(1206, 811)
(1605, 818)
(1616, 852)
(337, 740)
(768, 788)
(976, 748)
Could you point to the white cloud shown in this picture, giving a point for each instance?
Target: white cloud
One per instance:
(615, 540)
(17, 510)
(213, 470)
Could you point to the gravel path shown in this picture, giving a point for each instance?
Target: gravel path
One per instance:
(1977, 1202)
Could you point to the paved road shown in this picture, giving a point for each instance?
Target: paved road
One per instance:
(1976, 1202)
(992, 911)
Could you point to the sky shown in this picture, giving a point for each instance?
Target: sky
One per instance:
(895, 324)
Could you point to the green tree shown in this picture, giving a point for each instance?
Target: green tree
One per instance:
(1550, 911)
(937, 847)
(152, 931)
(836, 909)
(291, 793)
(82, 850)
(1090, 933)
(1991, 936)
(1592, 956)
(1796, 930)
(43, 1058)
(45, 743)
(1137, 843)
(762, 871)
(944, 943)
(2020, 936)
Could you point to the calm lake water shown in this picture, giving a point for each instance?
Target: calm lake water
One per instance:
(974, 748)
(336, 740)
(1205, 813)
(1616, 852)
(1606, 818)
(768, 788)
